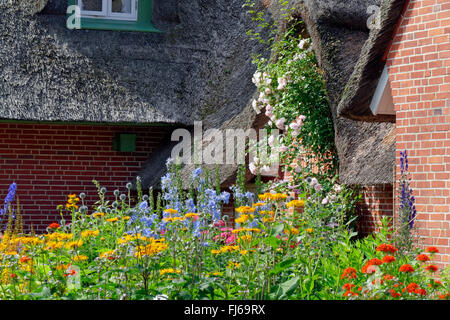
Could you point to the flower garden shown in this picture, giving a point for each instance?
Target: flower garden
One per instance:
(181, 247)
(289, 240)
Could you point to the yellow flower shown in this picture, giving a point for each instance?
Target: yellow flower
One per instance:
(310, 230)
(272, 196)
(215, 251)
(53, 245)
(98, 214)
(225, 249)
(171, 211)
(295, 203)
(259, 204)
(214, 274)
(62, 267)
(170, 270)
(245, 209)
(242, 219)
(232, 265)
(110, 255)
(174, 219)
(89, 233)
(74, 244)
(125, 218)
(246, 238)
(150, 249)
(32, 241)
(113, 219)
(270, 219)
(58, 236)
(243, 252)
(80, 258)
(191, 215)
(292, 231)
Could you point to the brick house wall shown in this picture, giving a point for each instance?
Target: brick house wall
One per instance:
(419, 73)
(377, 202)
(50, 161)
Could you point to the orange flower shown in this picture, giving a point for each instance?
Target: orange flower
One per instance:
(348, 293)
(432, 250)
(24, 259)
(423, 257)
(349, 273)
(388, 259)
(388, 277)
(348, 286)
(421, 292)
(406, 268)
(411, 287)
(386, 248)
(368, 267)
(431, 268)
(394, 293)
(54, 226)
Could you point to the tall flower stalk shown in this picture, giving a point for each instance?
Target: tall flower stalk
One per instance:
(407, 211)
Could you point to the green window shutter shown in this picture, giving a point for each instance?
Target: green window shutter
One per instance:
(143, 23)
(125, 142)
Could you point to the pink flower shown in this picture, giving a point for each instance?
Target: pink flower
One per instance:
(231, 239)
(325, 201)
(280, 123)
(317, 187)
(283, 148)
(271, 141)
(282, 83)
(219, 223)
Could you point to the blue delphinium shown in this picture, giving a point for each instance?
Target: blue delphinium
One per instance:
(407, 200)
(8, 199)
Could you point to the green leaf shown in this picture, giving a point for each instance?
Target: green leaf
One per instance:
(282, 266)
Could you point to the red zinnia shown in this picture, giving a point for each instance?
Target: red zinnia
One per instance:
(423, 257)
(421, 292)
(394, 293)
(350, 293)
(432, 250)
(372, 262)
(386, 248)
(431, 268)
(348, 286)
(411, 287)
(24, 259)
(54, 225)
(388, 259)
(388, 277)
(349, 273)
(70, 273)
(406, 268)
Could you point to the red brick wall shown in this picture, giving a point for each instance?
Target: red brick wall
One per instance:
(50, 161)
(419, 71)
(377, 202)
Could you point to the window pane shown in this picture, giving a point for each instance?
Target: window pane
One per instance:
(123, 6)
(91, 5)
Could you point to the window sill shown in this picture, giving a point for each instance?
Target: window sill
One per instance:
(117, 25)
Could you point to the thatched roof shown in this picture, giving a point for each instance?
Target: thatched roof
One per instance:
(358, 93)
(198, 69)
(189, 72)
(339, 32)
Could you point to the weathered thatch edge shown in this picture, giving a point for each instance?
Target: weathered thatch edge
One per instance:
(359, 91)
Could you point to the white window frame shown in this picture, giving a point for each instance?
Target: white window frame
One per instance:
(382, 102)
(107, 13)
